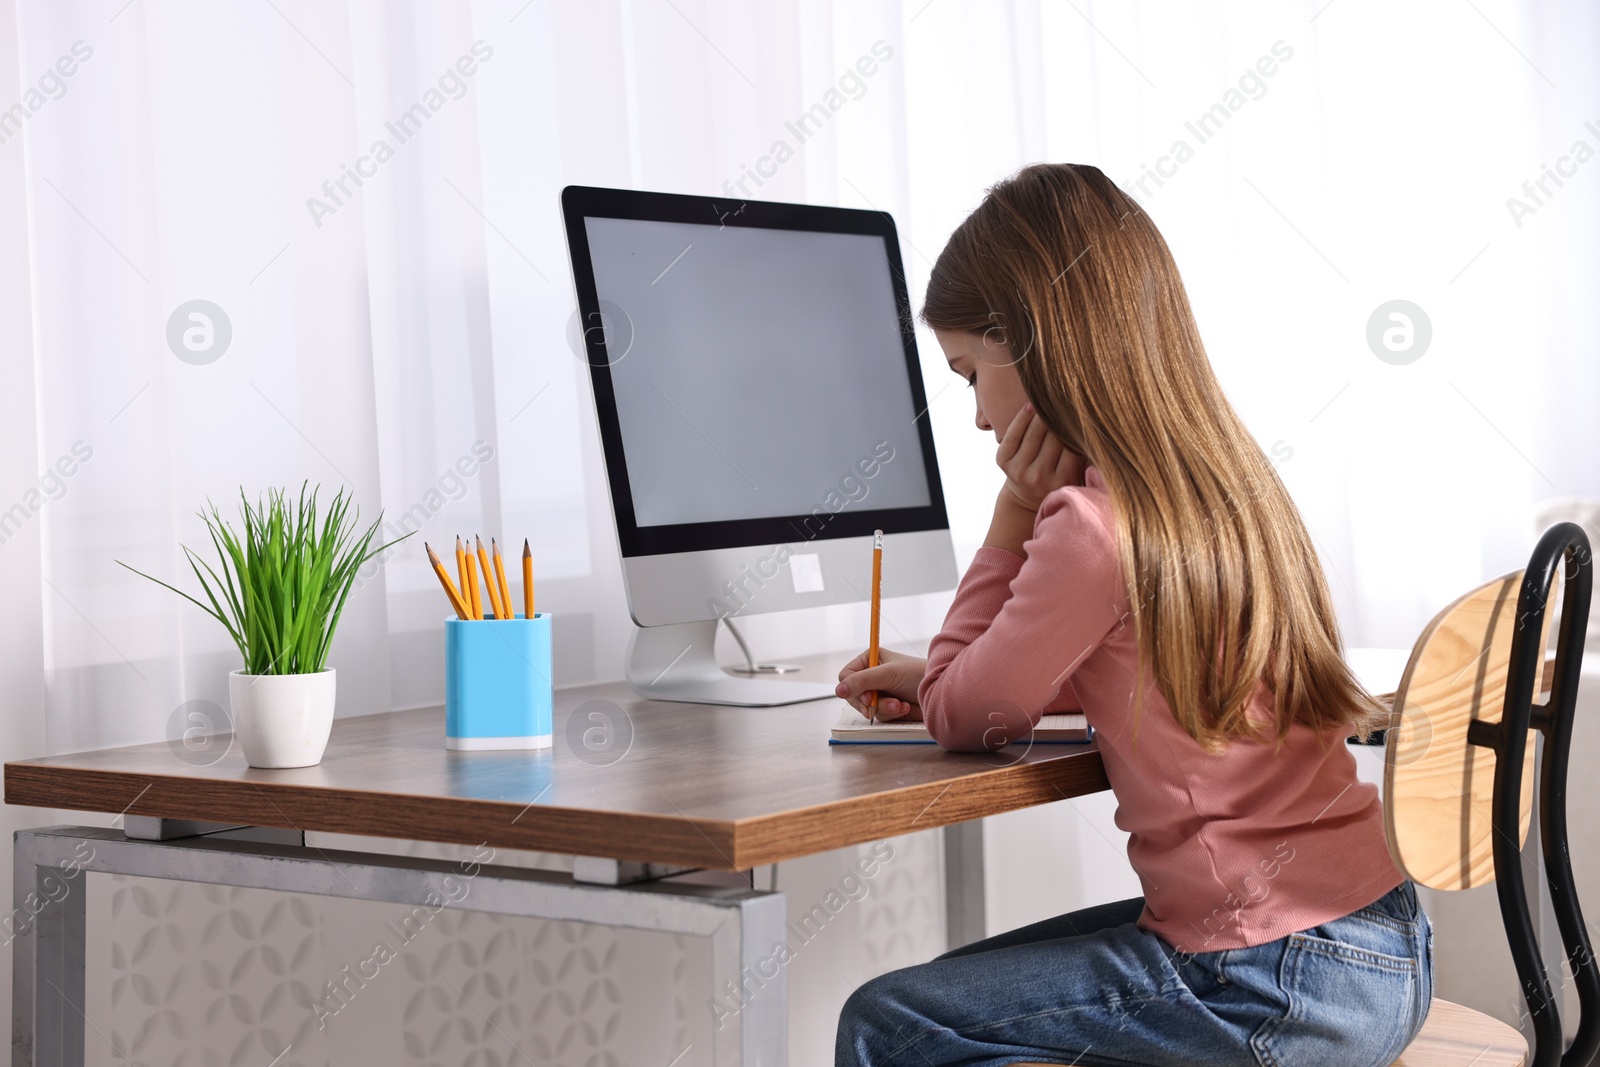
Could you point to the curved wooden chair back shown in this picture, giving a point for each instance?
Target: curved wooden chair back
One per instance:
(1438, 788)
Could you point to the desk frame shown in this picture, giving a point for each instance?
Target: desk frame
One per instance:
(48, 947)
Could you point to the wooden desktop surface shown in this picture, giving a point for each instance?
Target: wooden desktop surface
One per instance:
(699, 786)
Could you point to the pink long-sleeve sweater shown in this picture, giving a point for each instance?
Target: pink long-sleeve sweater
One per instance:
(1234, 849)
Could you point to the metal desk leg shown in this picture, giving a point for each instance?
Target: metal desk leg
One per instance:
(45, 930)
(963, 884)
(749, 970)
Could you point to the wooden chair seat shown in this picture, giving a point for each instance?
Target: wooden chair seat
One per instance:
(1455, 1036)
(1452, 1036)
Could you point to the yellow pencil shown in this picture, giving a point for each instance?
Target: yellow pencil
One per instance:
(456, 602)
(472, 587)
(527, 580)
(872, 643)
(461, 566)
(488, 578)
(500, 579)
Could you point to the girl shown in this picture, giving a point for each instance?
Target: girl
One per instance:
(1145, 563)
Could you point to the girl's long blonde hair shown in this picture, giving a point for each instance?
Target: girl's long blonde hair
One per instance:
(1226, 591)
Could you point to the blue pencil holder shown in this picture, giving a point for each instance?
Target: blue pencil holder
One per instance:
(497, 685)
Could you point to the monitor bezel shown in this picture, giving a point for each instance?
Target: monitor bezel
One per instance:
(579, 202)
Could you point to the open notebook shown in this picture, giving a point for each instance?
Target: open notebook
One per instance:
(1070, 728)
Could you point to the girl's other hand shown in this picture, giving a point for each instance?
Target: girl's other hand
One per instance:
(896, 678)
(1035, 461)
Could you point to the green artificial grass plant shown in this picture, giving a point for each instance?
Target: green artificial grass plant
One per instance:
(284, 583)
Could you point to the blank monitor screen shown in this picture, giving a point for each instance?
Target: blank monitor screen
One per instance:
(763, 365)
(754, 370)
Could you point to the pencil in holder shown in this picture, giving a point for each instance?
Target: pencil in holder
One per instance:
(498, 692)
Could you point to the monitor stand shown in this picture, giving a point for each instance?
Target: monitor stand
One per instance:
(678, 662)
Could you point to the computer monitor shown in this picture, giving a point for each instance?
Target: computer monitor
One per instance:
(761, 410)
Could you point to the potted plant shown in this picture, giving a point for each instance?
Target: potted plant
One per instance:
(281, 589)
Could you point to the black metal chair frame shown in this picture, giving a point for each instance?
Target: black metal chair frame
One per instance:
(1567, 544)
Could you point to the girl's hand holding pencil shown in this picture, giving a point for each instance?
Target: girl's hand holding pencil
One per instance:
(895, 679)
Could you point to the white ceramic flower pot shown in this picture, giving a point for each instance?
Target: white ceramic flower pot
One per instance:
(282, 720)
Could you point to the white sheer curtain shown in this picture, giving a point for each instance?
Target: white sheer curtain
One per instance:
(398, 318)
(406, 336)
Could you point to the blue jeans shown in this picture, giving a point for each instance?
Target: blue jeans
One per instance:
(1092, 989)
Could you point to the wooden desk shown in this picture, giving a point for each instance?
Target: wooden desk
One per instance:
(682, 785)
(699, 786)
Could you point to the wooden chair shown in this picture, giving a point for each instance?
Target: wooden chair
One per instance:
(1458, 789)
